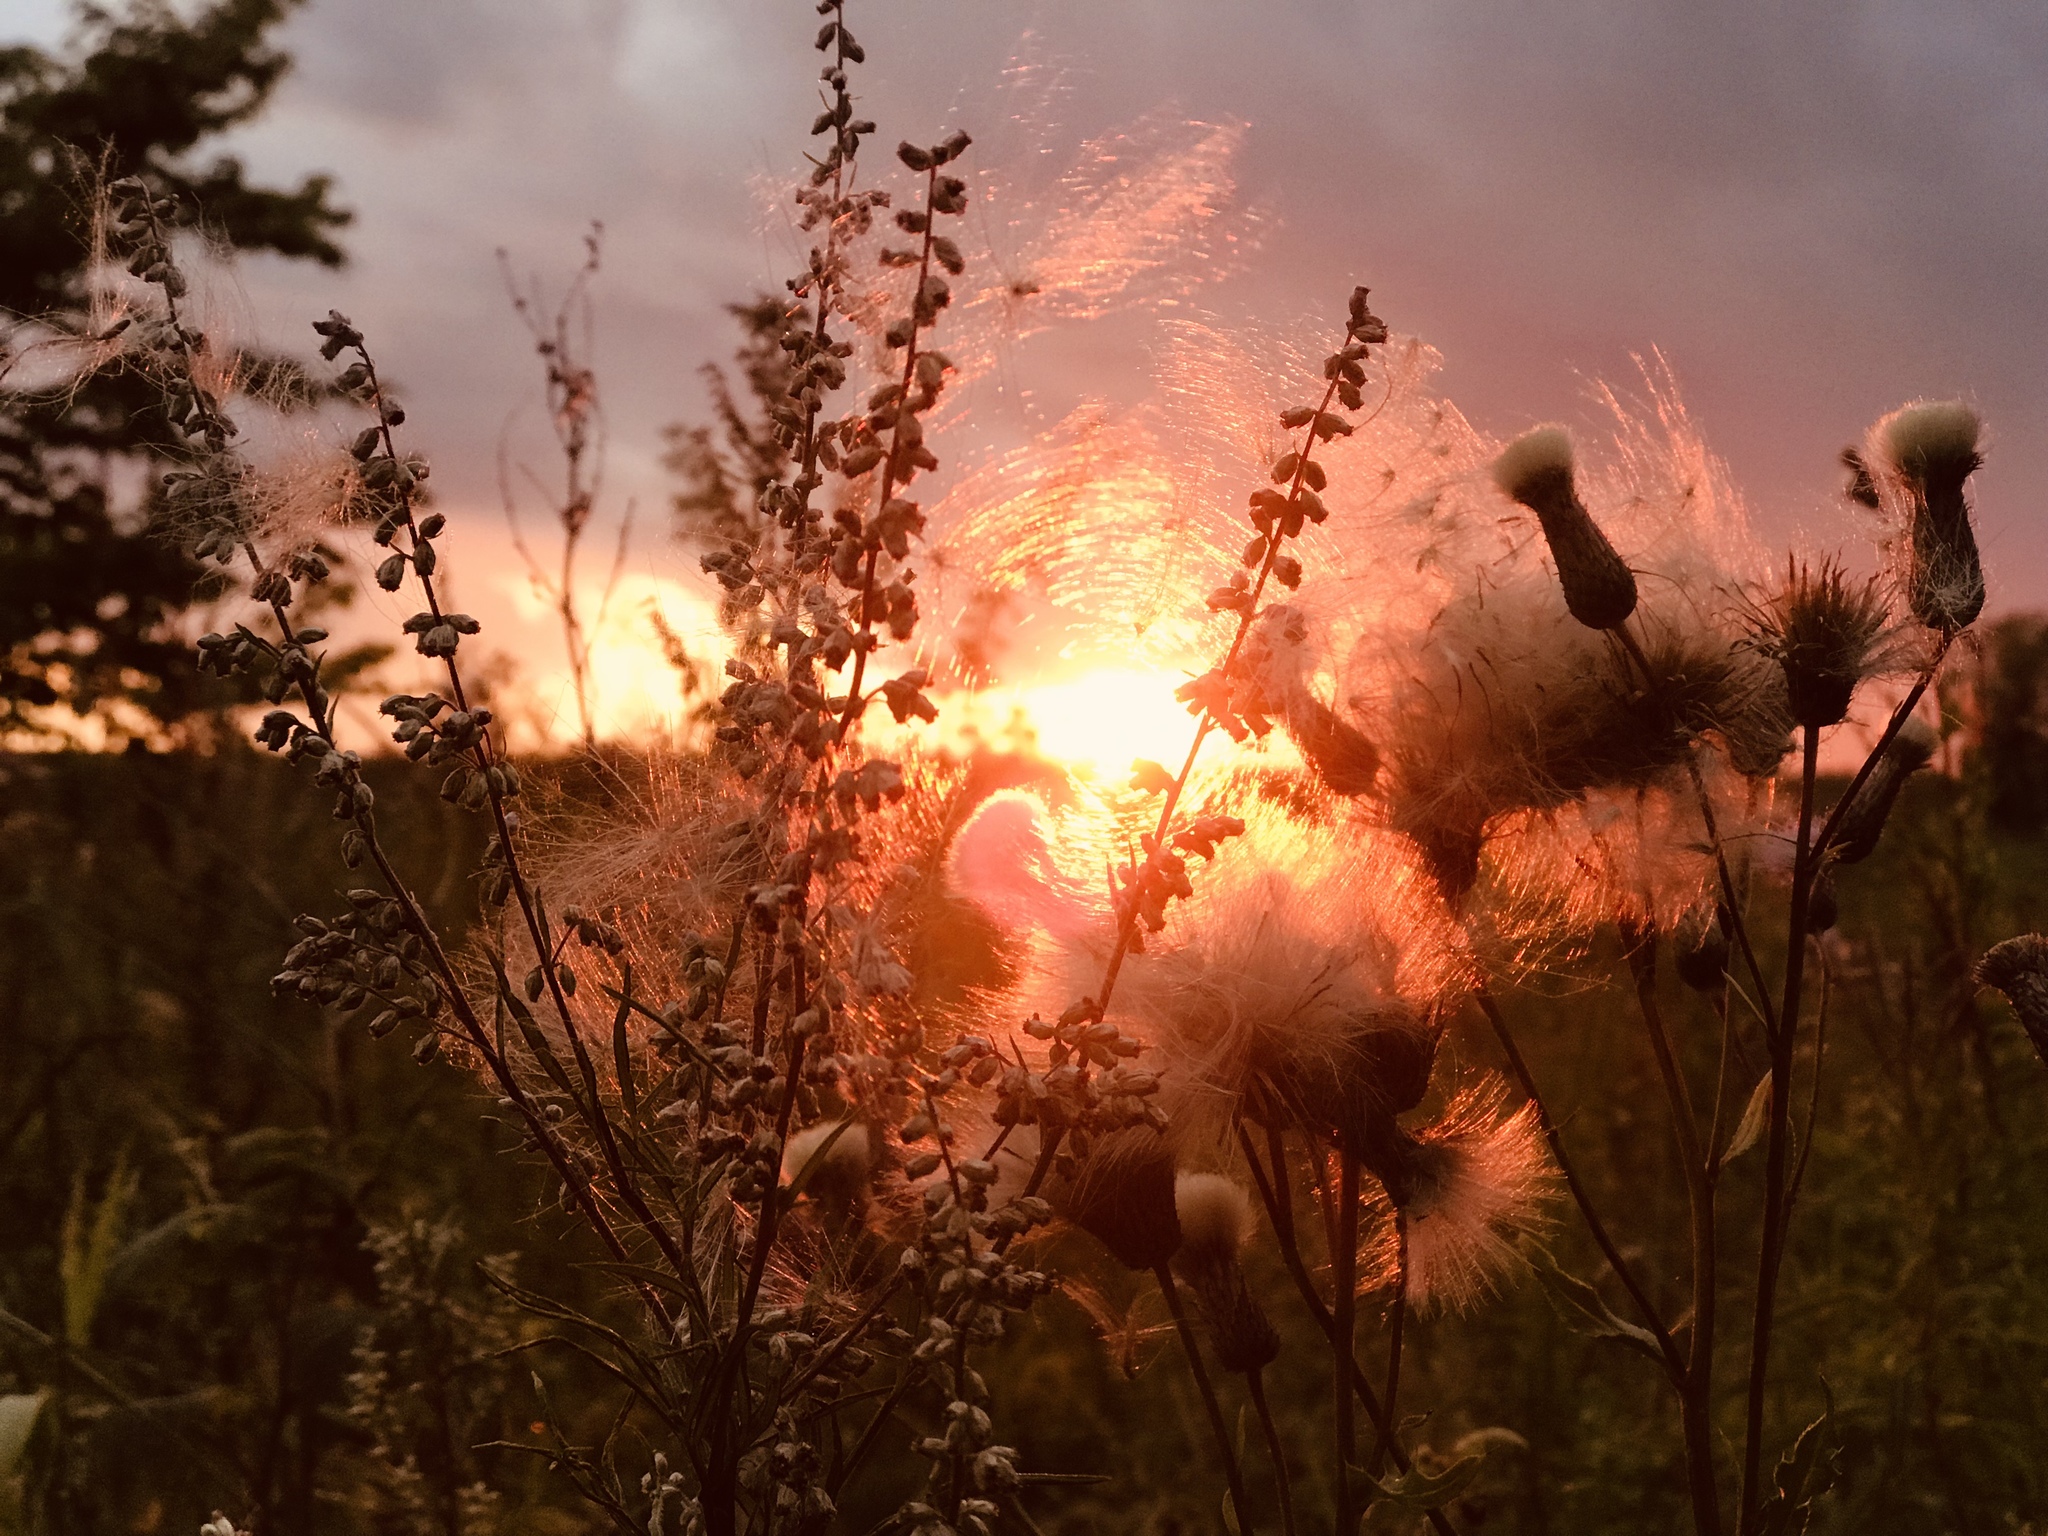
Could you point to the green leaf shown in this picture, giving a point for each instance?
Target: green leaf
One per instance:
(1583, 1309)
(18, 1414)
(1751, 1127)
(1417, 1490)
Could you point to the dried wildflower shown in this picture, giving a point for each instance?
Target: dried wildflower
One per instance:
(1615, 728)
(1465, 1184)
(1378, 1068)
(2019, 969)
(1824, 629)
(1122, 1195)
(1536, 470)
(1863, 823)
(1928, 451)
(1215, 1222)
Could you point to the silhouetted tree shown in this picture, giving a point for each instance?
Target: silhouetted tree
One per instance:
(86, 586)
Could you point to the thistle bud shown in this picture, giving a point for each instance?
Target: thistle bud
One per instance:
(2019, 969)
(1822, 628)
(1536, 470)
(1215, 1220)
(1123, 1197)
(1861, 825)
(1929, 451)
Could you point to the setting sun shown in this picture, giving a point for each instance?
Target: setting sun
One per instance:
(1100, 721)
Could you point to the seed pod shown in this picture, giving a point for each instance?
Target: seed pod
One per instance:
(1536, 470)
(1930, 450)
(2019, 969)
(1123, 1196)
(1862, 824)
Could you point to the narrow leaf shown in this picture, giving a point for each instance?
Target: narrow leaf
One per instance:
(1751, 1126)
(18, 1414)
(1418, 1490)
(622, 1049)
(1584, 1311)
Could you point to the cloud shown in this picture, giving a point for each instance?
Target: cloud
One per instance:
(1815, 212)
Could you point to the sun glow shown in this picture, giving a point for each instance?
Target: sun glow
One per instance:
(1101, 720)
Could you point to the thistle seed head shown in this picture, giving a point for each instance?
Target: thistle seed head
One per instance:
(1536, 470)
(1823, 628)
(1929, 451)
(1379, 1069)
(832, 1158)
(1863, 823)
(1275, 664)
(1123, 1196)
(1464, 1185)
(1216, 1219)
(2019, 969)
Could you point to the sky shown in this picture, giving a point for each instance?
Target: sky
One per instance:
(1812, 212)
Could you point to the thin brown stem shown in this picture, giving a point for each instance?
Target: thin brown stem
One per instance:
(1770, 1251)
(1674, 1363)
(1275, 1195)
(1232, 1472)
(1255, 1385)
(1344, 1317)
(1396, 1328)
(1695, 1385)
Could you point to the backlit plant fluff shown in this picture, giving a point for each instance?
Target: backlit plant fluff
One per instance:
(1461, 714)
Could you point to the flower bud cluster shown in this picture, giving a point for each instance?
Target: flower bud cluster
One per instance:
(367, 958)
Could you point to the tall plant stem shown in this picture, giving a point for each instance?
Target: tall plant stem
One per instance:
(1674, 1362)
(1770, 1250)
(1255, 1384)
(1232, 1472)
(1731, 898)
(1344, 1307)
(1695, 1385)
(1274, 1195)
(1396, 1327)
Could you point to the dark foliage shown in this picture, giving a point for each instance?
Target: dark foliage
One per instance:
(86, 587)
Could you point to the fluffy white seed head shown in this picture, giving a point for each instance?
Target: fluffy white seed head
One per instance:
(1930, 432)
(1215, 1215)
(1539, 455)
(1478, 1176)
(836, 1156)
